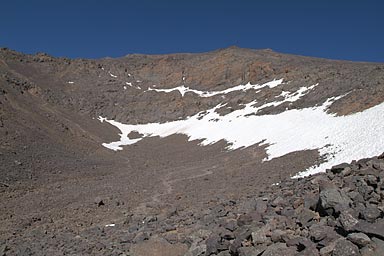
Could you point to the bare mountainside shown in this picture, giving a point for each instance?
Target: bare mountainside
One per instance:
(89, 143)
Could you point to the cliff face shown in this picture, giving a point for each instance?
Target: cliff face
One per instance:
(194, 127)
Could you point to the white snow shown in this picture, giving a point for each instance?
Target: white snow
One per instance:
(112, 75)
(245, 87)
(110, 225)
(338, 138)
(127, 83)
(125, 87)
(70, 82)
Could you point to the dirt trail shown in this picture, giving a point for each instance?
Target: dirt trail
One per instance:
(168, 182)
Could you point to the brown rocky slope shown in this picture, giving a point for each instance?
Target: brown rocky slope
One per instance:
(59, 187)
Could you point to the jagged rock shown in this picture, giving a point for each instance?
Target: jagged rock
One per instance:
(370, 213)
(235, 245)
(333, 200)
(259, 236)
(311, 201)
(339, 168)
(360, 239)
(158, 247)
(277, 235)
(327, 250)
(374, 249)
(304, 246)
(311, 251)
(246, 219)
(373, 229)
(212, 244)
(261, 205)
(224, 253)
(251, 251)
(196, 250)
(345, 248)
(304, 216)
(230, 224)
(319, 232)
(347, 220)
(279, 249)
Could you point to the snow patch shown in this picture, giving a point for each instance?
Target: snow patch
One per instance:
(338, 138)
(70, 82)
(110, 225)
(112, 75)
(183, 89)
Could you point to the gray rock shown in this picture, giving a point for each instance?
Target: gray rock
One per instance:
(345, 248)
(230, 224)
(248, 218)
(319, 232)
(212, 243)
(304, 216)
(196, 250)
(360, 239)
(311, 251)
(373, 229)
(327, 250)
(279, 249)
(347, 221)
(251, 251)
(235, 245)
(260, 236)
(370, 213)
(333, 200)
(224, 253)
(339, 168)
(375, 248)
(277, 235)
(261, 205)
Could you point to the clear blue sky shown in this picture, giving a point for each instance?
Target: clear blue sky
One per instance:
(338, 29)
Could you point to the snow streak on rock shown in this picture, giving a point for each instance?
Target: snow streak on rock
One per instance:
(183, 90)
(338, 138)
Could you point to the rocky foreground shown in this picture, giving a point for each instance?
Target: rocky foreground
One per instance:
(338, 213)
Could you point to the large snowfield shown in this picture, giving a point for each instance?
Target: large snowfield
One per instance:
(338, 138)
